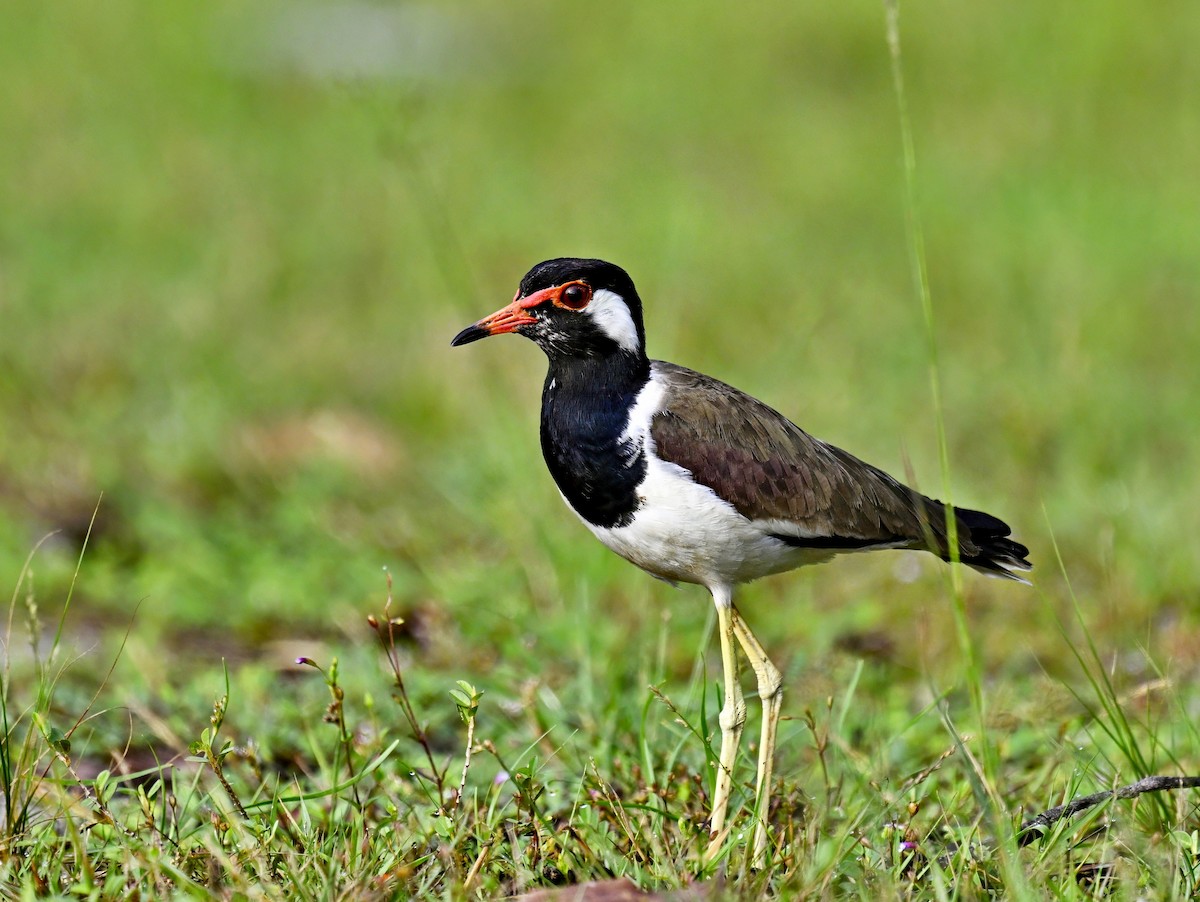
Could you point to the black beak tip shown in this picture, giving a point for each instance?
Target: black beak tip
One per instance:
(468, 335)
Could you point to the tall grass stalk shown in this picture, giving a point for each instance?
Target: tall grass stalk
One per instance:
(985, 784)
(920, 276)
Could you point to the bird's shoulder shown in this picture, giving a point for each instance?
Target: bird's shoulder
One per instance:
(711, 411)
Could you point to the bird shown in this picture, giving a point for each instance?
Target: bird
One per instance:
(697, 482)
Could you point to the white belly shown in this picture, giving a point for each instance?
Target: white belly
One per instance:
(684, 532)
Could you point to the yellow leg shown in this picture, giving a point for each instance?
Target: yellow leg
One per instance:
(732, 719)
(770, 691)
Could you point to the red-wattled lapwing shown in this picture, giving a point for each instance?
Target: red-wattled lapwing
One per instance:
(696, 482)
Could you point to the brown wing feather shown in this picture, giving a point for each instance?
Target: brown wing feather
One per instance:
(768, 468)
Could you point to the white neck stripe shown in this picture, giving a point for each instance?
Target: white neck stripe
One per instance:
(611, 314)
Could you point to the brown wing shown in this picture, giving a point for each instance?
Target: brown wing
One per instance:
(770, 469)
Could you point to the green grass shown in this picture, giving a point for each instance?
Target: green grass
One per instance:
(227, 289)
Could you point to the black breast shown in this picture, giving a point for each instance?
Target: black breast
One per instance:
(584, 416)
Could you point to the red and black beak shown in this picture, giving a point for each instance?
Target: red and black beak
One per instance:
(506, 319)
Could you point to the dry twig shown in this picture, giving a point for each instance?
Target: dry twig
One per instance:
(1035, 827)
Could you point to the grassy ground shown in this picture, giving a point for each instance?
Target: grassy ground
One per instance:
(234, 245)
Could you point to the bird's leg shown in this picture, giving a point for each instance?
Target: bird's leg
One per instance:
(733, 717)
(770, 691)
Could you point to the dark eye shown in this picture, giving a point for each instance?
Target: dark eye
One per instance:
(575, 296)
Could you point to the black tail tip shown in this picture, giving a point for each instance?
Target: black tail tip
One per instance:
(1003, 558)
(998, 555)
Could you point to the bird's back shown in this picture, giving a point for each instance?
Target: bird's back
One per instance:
(807, 493)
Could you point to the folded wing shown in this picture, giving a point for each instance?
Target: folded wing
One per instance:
(806, 492)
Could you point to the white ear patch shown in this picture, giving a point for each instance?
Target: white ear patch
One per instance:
(609, 312)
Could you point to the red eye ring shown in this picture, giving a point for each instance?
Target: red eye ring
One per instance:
(574, 295)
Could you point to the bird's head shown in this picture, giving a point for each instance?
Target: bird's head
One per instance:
(571, 307)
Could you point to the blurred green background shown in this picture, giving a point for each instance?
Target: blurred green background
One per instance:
(236, 239)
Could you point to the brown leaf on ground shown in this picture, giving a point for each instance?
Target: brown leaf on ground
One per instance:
(343, 436)
(872, 645)
(622, 890)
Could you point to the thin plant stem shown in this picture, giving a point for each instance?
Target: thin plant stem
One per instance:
(920, 274)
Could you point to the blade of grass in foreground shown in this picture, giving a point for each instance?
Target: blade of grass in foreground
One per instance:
(920, 275)
(986, 787)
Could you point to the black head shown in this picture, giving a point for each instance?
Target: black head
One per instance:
(572, 307)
